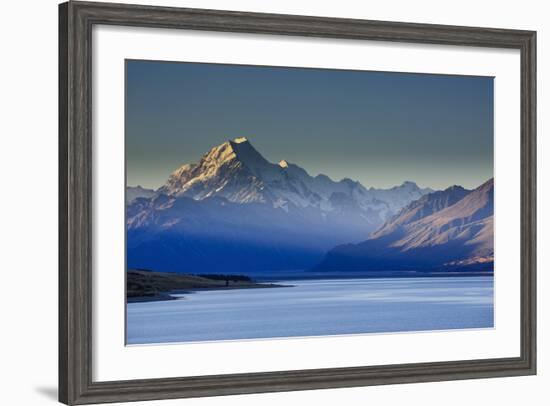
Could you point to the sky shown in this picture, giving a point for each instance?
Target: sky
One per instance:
(379, 128)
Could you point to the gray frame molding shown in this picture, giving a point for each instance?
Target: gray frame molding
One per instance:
(75, 180)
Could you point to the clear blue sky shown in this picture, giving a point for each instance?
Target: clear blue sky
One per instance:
(375, 127)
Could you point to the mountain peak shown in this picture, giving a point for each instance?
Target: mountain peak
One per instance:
(236, 171)
(454, 187)
(240, 140)
(409, 184)
(248, 155)
(239, 149)
(283, 163)
(427, 205)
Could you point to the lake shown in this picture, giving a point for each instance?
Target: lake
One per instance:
(316, 307)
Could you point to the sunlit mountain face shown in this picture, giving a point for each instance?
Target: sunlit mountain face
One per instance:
(234, 210)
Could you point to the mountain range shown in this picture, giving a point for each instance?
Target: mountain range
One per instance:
(233, 210)
(236, 171)
(449, 230)
(134, 192)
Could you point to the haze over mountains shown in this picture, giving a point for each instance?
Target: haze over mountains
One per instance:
(133, 192)
(235, 211)
(444, 231)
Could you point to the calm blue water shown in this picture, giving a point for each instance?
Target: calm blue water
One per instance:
(316, 307)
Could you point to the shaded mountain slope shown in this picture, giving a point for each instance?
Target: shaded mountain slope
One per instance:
(235, 211)
(445, 230)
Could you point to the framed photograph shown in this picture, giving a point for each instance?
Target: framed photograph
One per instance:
(258, 203)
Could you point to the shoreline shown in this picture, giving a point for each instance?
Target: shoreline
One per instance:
(150, 286)
(268, 283)
(370, 275)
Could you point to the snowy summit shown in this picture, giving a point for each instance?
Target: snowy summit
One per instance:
(236, 171)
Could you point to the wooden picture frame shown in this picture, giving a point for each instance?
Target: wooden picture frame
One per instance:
(76, 20)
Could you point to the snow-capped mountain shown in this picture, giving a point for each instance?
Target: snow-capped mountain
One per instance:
(234, 210)
(236, 171)
(447, 230)
(133, 192)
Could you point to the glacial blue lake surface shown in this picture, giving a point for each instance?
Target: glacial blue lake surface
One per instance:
(315, 308)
